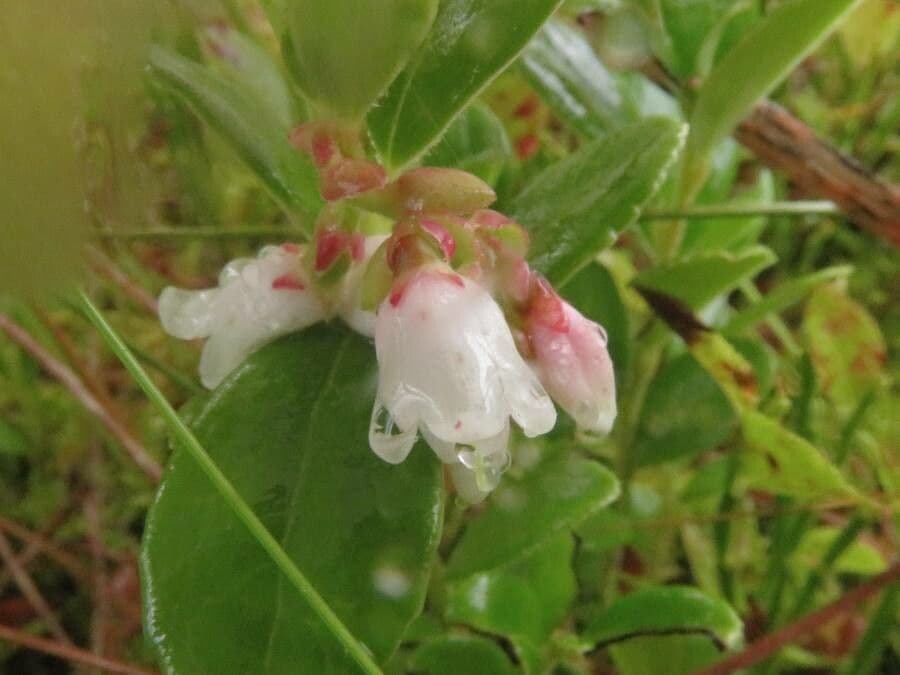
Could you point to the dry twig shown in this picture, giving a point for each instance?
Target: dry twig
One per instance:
(768, 645)
(30, 590)
(76, 387)
(69, 653)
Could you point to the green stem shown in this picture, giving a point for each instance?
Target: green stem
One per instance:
(248, 232)
(241, 509)
(798, 208)
(782, 332)
(841, 543)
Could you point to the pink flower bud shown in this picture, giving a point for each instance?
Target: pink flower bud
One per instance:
(570, 354)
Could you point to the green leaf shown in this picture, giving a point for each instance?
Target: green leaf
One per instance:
(690, 25)
(846, 346)
(684, 414)
(527, 512)
(698, 280)
(669, 654)
(254, 130)
(525, 599)
(594, 293)
(561, 65)
(859, 557)
(713, 234)
(470, 43)
(579, 205)
(779, 461)
(476, 142)
(784, 296)
(288, 429)
(461, 654)
(663, 610)
(751, 70)
(276, 12)
(721, 360)
(243, 61)
(345, 53)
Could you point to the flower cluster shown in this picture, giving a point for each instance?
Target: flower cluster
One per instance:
(468, 337)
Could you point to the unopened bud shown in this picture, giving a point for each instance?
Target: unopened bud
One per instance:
(436, 190)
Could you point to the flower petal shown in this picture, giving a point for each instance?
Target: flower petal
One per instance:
(187, 315)
(386, 439)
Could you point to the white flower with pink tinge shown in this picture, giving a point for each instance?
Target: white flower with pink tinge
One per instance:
(570, 354)
(257, 300)
(449, 368)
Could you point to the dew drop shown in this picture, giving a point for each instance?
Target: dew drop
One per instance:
(391, 581)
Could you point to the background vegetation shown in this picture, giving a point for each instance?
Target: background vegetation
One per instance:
(752, 478)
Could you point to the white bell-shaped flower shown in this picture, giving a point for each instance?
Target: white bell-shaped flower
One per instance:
(257, 300)
(571, 356)
(448, 367)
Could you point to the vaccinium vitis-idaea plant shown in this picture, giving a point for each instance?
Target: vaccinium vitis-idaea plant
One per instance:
(467, 335)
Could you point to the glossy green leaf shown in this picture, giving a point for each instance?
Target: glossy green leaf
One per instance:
(525, 513)
(461, 654)
(594, 293)
(345, 53)
(782, 297)
(684, 414)
(698, 280)
(236, 57)
(693, 26)
(752, 69)
(562, 66)
(579, 205)
(669, 654)
(288, 429)
(779, 461)
(476, 142)
(525, 599)
(845, 344)
(470, 43)
(664, 610)
(249, 125)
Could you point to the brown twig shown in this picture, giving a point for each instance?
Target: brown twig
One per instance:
(768, 645)
(87, 375)
(30, 590)
(69, 653)
(39, 543)
(93, 518)
(784, 142)
(788, 145)
(76, 387)
(108, 269)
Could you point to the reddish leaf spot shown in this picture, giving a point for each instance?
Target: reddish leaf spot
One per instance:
(527, 145)
(527, 108)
